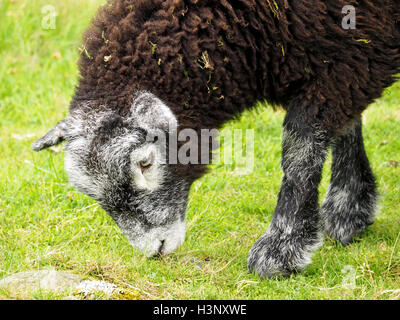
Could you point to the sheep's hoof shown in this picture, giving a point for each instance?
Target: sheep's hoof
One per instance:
(347, 233)
(344, 217)
(345, 226)
(280, 255)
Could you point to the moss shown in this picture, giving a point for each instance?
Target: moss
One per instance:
(82, 50)
(204, 61)
(117, 293)
(127, 294)
(153, 48)
(274, 8)
(104, 38)
(366, 41)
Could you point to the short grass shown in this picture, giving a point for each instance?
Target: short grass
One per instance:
(44, 223)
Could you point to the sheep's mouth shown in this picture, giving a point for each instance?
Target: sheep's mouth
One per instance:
(157, 241)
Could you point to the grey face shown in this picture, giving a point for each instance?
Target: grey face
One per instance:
(120, 163)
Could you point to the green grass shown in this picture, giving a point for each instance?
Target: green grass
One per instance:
(44, 223)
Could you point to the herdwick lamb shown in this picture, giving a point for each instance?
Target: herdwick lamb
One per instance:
(150, 67)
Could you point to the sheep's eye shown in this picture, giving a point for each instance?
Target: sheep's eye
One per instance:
(145, 164)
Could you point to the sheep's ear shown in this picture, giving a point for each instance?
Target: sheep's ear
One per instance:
(150, 112)
(52, 138)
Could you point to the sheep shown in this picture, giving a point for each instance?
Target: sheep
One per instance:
(150, 67)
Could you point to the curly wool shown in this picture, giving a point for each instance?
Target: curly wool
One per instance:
(209, 60)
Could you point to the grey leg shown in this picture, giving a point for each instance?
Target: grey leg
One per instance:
(296, 230)
(350, 203)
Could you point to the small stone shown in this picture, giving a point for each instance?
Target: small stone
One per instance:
(90, 287)
(31, 281)
(71, 286)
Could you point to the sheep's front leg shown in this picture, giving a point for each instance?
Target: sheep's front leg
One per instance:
(296, 230)
(349, 206)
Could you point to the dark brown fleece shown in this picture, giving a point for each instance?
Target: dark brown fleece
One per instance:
(209, 60)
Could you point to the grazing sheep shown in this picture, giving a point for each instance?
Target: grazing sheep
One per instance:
(160, 66)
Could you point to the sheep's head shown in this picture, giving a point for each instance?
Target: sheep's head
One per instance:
(122, 163)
